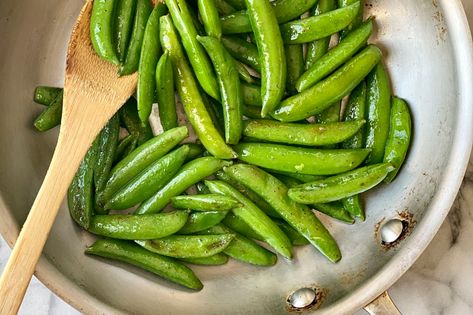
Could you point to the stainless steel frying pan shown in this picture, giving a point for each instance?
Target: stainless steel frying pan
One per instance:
(428, 52)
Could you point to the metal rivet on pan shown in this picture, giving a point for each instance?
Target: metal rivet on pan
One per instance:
(391, 231)
(302, 298)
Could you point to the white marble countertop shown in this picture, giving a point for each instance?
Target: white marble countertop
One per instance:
(438, 283)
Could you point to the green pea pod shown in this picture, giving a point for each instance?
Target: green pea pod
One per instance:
(51, 116)
(255, 218)
(335, 210)
(209, 14)
(251, 94)
(243, 72)
(125, 147)
(356, 21)
(149, 181)
(238, 4)
(341, 186)
(215, 260)
(298, 216)
(227, 76)
(295, 66)
(188, 246)
(133, 254)
(129, 117)
(132, 59)
(101, 33)
(244, 249)
(239, 225)
(243, 51)
(125, 13)
(318, 48)
(182, 19)
(318, 27)
(150, 53)
(354, 206)
(190, 96)
(199, 221)
(355, 110)
(141, 158)
(378, 111)
(296, 238)
(252, 112)
(80, 195)
(138, 227)
(330, 90)
(336, 56)
(300, 160)
(195, 150)
(271, 51)
(191, 173)
(206, 202)
(248, 193)
(235, 23)
(301, 134)
(165, 93)
(399, 137)
(224, 8)
(45, 95)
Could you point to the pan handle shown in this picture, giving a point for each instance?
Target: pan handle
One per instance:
(382, 305)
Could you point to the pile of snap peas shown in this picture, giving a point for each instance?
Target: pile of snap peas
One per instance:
(293, 112)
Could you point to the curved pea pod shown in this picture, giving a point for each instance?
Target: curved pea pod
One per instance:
(191, 98)
(150, 53)
(138, 227)
(141, 158)
(340, 186)
(129, 117)
(255, 218)
(336, 56)
(215, 260)
(335, 210)
(356, 21)
(320, 26)
(238, 225)
(201, 65)
(206, 202)
(80, 195)
(149, 181)
(242, 51)
(244, 249)
(399, 137)
(301, 134)
(191, 173)
(295, 66)
(188, 246)
(45, 95)
(51, 116)
(251, 94)
(132, 59)
(297, 215)
(271, 51)
(378, 111)
(224, 8)
(135, 255)
(101, 33)
(355, 110)
(330, 90)
(300, 160)
(353, 205)
(209, 14)
(199, 221)
(125, 13)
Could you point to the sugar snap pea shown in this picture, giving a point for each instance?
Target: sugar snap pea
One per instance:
(198, 221)
(141, 158)
(251, 94)
(138, 227)
(238, 225)
(378, 110)
(340, 186)
(243, 72)
(129, 117)
(205, 202)
(190, 96)
(295, 66)
(255, 218)
(125, 147)
(224, 8)
(149, 181)
(215, 260)
(336, 56)
(242, 51)
(101, 33)
(355, 110)
(191, 173)
(301, 134)
(271, 51)
(132, 59)
(45, 95)
(165, 93)
(319, 26)
(51, 116)
(150, 53)
(133, 254)
(300, 160)
(332, 89)
(399, 137)
(209, 15)
(125, 12)
(227, 76)
(188, 246)
(298, 216)
(356, 21)
(354, 206)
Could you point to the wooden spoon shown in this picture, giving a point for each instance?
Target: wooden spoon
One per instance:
(92, 95)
